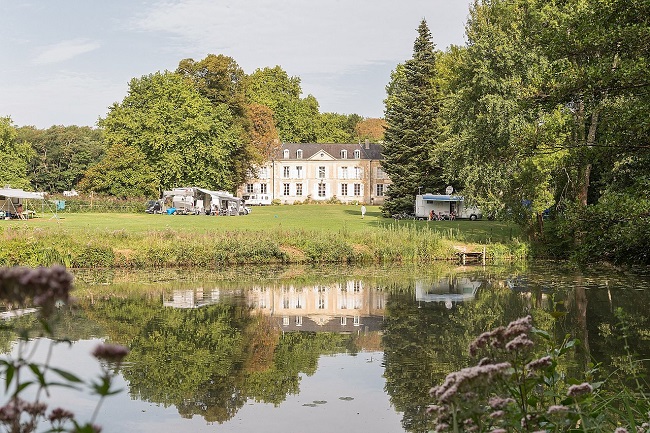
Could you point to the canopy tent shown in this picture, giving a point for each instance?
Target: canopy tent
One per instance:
(12, 198)
(20, 194)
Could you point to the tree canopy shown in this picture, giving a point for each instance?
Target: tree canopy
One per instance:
(184, 137)
(62, 155)
(14, 156)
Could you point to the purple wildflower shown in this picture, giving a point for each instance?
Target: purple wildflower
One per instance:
(468, 378)
(499, 402)
(577, 390)
(522, 325)
(518, 343)
(540, 363)
(557, 410)
(110, 352)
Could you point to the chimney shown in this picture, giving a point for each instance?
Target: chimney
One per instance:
(367, 144)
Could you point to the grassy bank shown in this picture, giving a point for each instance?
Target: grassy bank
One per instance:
(278, 234)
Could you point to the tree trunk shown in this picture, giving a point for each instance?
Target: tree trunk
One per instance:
(585, 169)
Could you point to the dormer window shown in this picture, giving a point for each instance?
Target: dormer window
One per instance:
(299, 154)
(357, 154)
(285, 154)
(344, 154)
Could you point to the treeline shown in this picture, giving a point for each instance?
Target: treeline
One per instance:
(205, 124)
(542, 117)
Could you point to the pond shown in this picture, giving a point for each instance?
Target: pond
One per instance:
(325, 349)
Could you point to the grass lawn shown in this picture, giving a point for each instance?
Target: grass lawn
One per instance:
(319, 218)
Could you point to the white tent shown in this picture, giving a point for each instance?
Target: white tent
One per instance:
(10, 198)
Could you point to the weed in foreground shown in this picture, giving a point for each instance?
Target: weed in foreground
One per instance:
(513, 389)
(26, 381)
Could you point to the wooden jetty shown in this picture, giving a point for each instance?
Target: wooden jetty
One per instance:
(471, 256)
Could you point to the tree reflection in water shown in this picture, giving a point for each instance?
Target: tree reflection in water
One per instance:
(239, 341)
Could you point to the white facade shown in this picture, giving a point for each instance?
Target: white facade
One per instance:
(349, 173)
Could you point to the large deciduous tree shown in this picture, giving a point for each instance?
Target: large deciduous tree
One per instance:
(413, 127)
(14, 156)
(63, 154)
(123, 173)
(263, 133)
(371, 129)
(295, 117)
(220, 79)
(186, 139)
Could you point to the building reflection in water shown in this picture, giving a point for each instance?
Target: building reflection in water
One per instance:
(448, 291)
(348, 307)
(352, 306)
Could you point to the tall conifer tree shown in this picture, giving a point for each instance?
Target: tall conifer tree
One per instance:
(412, 115)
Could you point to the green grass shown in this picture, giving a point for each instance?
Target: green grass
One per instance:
(274, 234)
(321, 218)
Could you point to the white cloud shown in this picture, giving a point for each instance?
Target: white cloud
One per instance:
(63, 98)
(304, 36)
(65, 50)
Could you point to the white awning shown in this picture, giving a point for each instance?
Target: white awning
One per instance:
(19, 193)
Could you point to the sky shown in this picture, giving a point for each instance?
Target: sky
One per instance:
(65, 62)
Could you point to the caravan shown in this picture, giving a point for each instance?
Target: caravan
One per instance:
(193, 200)
(445, 206)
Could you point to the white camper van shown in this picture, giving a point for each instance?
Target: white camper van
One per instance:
(257, 199)
(444, 205)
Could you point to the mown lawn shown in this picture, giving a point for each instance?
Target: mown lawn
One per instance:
(320, 218)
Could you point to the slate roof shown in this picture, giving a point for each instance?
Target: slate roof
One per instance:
(373, 150)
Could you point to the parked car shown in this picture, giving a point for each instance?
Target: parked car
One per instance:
(153, 207)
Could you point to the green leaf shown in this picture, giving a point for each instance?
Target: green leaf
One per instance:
(66, 375)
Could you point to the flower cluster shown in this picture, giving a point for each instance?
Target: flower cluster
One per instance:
(110, 352)
(513, 337)
(468, 379)
(43, 287)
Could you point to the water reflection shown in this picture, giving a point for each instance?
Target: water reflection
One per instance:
(225, 350)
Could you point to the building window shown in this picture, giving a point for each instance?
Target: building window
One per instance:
(299, 189)
(381, 174)
(357, 172)
(285, 302)
(344, 320)
(249, 188)
(298, 320)
(344, 189)
(299, 154)
(356, 320)
(344, 154)
(321, 172)
(344, 172)
(285, 187)
(380, 189)
(322, 302)
(357, 189)
(357, 154)
(299, 171)
(285, 321)
(285, 172)
(264, 173)
(264, 188)
(285, 153)
(321, 190)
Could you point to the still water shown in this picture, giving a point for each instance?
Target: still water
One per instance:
(320, 350)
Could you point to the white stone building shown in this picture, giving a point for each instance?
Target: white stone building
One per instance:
(351, 173)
